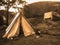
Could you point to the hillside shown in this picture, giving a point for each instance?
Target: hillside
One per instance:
(39, 8)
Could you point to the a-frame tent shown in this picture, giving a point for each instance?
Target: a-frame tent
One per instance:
(14, 28)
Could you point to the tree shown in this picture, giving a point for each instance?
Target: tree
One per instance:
(8, 3)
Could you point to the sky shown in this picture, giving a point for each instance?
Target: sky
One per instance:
(32, 1)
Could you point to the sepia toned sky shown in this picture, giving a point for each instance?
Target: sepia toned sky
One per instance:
(32, 1)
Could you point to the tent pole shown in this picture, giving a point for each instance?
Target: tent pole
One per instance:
(8, 3)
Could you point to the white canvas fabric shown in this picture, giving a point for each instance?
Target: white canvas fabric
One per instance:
(27, 29)
(48, 15)
(13, 31)
(13, 28)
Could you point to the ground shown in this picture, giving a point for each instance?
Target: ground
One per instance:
(50, 35)
(32, 40)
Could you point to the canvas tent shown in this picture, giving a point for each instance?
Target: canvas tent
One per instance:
(14, 28)
(50, 14)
